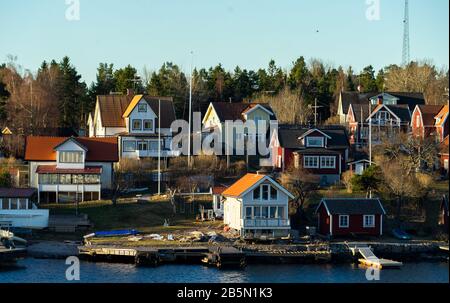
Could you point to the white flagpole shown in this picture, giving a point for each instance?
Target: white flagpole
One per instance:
(190, 115)
(159, 147)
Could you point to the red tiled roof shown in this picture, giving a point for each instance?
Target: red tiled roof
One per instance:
(51, 169)
(218, 190)
(16, 192)
(99, 149)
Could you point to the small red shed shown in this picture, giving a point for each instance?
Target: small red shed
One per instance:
(343, 217)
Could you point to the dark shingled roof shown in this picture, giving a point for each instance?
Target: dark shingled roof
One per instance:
(411, 99)
(358, 109)
(428, 113)
(355, 98)
(353, 206)
(234, 111)
(16, 192)
(401, 111)
(288, 137)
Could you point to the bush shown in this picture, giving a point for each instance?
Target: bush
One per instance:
(5, 179)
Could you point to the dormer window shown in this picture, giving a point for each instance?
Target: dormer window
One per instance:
(142, 108)
(71, 157)
(314, 141)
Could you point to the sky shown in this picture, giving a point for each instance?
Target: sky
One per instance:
(248, 33)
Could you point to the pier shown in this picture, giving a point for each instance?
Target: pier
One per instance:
(10, 255)
(370, 260)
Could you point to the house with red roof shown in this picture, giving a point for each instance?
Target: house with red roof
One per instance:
(256, 206)
(69, 169)
(423, 120)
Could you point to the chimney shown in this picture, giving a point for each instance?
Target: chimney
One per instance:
(380, 100)
(130, 92)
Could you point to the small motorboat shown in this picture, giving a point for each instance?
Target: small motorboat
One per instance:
(113, 233)
(401, 234)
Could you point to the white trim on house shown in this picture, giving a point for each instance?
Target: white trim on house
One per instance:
(258, 106)
(311, 131)
(340, 221)
(267, 178)
(385, 107)
(365, 225)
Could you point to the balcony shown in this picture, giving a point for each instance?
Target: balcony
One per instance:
(248, 223)
(154, 153)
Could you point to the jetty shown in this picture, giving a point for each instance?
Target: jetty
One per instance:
(370, 260)
(8, 255)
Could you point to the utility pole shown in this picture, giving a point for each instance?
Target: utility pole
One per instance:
(190, 114)
(370, 133)
(315, 111)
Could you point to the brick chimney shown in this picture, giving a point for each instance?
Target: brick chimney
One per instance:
(380, 100)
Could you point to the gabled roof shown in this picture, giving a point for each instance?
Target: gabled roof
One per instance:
(6, 131)
(111, 109)
(444, 146)
(167, 108)
(428, 113)
(288, 137)
(72, 139)
(442, 115)
(98, 149)
(359, 110)
(355, 98)
(399, 111)
(235, 111)
(312, 131)
(248, 182)
(354, 206)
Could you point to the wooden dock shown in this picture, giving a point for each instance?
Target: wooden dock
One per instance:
(445, 247)
(370, 260)
(11, 255)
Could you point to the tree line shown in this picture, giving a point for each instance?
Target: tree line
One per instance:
(56, 97)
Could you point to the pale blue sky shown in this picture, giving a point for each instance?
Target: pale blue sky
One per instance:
(247, 33)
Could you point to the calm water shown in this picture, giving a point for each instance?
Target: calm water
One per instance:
(53, 271)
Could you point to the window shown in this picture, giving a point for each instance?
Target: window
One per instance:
(343, 222)
(311, 162)
(265, 192)
(23, 203)
(142, 145)
(148, 125)
(446, 164)
(4, 204)
(92, 179)
(14, 203)
(369, 221)
(248, 212)
(137, 124)
(265, 212)
(314, 141)
(154, 145)
(257, 193)
(257, 212)
(142, 108)
(65, 179)
(70, 157)
(129, 146)
(273, 193)
(77, 179)
(273, 212)
(417, 121)
(280, 214)
(328, 162)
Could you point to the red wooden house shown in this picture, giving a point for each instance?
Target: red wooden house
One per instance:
(443, 156)
(345, 217)
(322, 152)
(423, 120)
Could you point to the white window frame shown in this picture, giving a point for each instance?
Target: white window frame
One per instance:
(365, 223)
(315, 138)
(71, 157)
(324, 159)
(140, 124)
(311, 157)
(142, 105)
(340, 221)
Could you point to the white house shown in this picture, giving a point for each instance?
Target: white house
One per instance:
(135, 121)
(71, 169)
(17, 209)
(257, 207)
